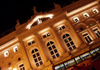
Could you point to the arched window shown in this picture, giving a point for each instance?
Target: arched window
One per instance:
(52, 48)
(37, 57)
(68, 41)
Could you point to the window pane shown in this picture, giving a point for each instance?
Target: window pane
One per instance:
(63, 27)
(33, 42)
(32, 51)
(50, 48)
(59, 29)
(44, 36)
(29, 43)
(51, 42)
(23, 68)
(36, 50)
(53, 56)
(21, 65)
(68, 44)
(39, 58)
(41, 63)
(70, 48)
(48, 34)
(55, 51)
(67, 35)
(37, 64)
(74, 46)
(69, 39)
(86, 39)
(34, 56)
(60, 67)
(57, 54)
(37, 54)
(66, 40)
(53, 46)
(71, 42)
(52, 52)
(89, 38)
(64, 36)
(48, 44)
(35, 60)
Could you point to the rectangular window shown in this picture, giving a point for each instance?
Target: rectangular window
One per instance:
(76, 19)
(95, 11)
(85, 56)
(97, 32)
(78, 59)
(95, 51)
(87, 37)
(69, 63)
(21, 67)
(60, 67)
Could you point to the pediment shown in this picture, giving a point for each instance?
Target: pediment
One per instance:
(39, 19)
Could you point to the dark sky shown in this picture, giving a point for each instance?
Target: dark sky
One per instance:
(11, 10)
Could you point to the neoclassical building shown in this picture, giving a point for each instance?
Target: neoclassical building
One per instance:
(59, 39)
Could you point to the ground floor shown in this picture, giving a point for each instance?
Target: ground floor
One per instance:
(88, 61)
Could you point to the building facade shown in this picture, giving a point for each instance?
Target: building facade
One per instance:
(54, 40)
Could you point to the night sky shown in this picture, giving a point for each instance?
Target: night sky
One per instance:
(11, 10)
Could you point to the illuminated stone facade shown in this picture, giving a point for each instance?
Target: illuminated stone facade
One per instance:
(51, 38)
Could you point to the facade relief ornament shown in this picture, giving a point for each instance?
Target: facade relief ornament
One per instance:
(56, 5)
(18, 24)
(34, 10)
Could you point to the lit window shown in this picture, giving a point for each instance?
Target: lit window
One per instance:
(86, 15)
(21, 67)
(37, 58)
(78, 59)
(87, 37)
(95, 11)
(97, 32)
(46, 35)
(61, 28)
(60, 67)
(85, 56)
(15, 49)
(91, 24)
(68, 41)
(76, 19)
(52, 48)
(69, 63)
(6, 53)
(30, 43)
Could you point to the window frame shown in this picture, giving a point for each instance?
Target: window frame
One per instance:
(77, 19)
(14, 48)
(54, 52)
(5, 53)
(37, 57)
(97, 31)
(95, 10)
(69, 41)
(87, 36)
(87, 15)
